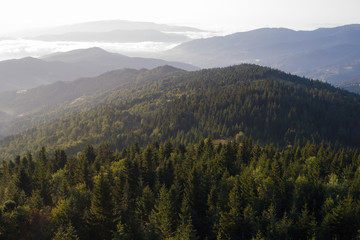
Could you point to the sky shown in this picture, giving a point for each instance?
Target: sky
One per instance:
(224, 15)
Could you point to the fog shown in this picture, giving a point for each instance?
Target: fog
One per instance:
(18, 48)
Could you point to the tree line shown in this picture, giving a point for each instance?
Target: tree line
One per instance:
(213, 189)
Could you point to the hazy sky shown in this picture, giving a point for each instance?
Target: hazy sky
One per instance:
(226, 15)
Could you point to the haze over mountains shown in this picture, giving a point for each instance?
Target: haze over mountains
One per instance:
(62, 93)
(126, 37)
(328, 54)
(331, 54)
(21, 110)
(351, 85)
(26, 73)
(122, 36)
(117, 31)
(107, 26)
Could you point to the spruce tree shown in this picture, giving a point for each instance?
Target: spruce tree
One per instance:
(162, 214)
(67, 233)
(101, 215)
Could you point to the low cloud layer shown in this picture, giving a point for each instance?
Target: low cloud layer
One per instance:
(19, 48)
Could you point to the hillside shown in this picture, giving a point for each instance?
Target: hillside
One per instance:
(27, 73)
(49, 99)
(329, 54)
(4, 117)
(97, 58)
(352, 86)
(246, 100)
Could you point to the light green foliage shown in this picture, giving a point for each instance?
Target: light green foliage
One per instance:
(266, 104)
(66, 233)
(264, 192)
(101, 215)
(162, 215)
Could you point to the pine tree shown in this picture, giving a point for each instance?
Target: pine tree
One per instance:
(144, 204)
(148, 167)
(89, 153)
(233, 224)
(104, 157)
(60, 159)
(23, 181)
(186, 230)
(162, 215)
(101, 211)
(306, 225)
(121, 233)
(343, 221)
(67, 233)
(83, 172)
(42, 176)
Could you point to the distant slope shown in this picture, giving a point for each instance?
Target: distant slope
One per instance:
(116, 36)
(331, 54)
(3, 118)
(352, 86)
(28, 73)
(45, 98)
(97, 57)
(266, 104)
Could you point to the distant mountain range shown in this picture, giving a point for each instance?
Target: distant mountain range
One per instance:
(352, 86)
(120, 36)
(30, 72)
(331, 54)
(125, 37)
(327, 54)
(105, 26)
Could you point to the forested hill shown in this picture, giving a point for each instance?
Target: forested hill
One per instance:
(246, 100)
(67, 93)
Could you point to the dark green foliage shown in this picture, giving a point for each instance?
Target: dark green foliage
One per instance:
(9, 206)
(166, 191)
(100, 216)
(246, 100)
(342, 221)
(163, 215)
(66, 234)
(212, 174)
(42, 175)
(59, 160)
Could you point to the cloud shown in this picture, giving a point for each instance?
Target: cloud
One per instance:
(19, 48)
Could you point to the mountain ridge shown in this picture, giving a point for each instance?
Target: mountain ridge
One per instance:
(69, 94)
(244, 100)
(328, 54)
(26, 73)
(101, 26)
